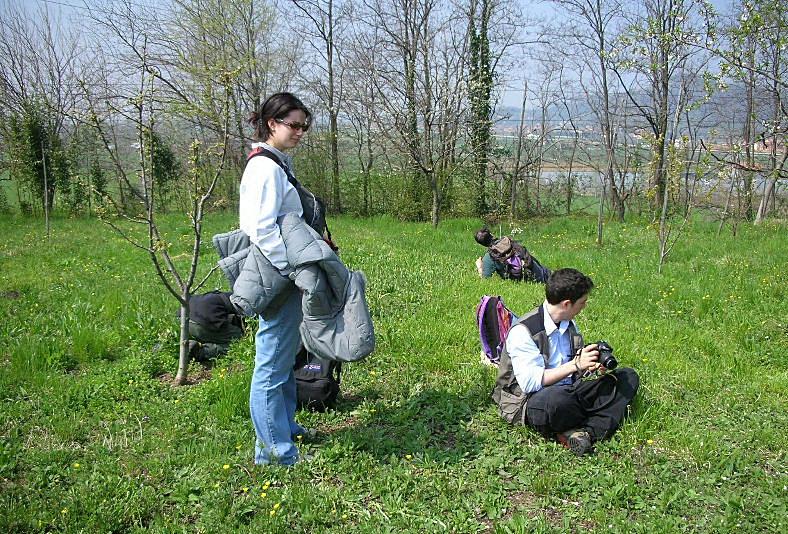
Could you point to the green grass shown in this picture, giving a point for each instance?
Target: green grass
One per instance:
(93, 438)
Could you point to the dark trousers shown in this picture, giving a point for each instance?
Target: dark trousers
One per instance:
(598, 405)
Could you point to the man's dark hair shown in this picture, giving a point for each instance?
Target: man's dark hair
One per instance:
(567, 284)
(276, 106)
(484, 237)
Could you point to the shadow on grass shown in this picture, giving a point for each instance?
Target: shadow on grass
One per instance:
(429, 425)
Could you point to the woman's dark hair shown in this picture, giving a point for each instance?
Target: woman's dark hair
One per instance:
(484, 237)
(567, 284)
(276, 106)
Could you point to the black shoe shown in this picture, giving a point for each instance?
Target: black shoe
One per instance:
(578, 441)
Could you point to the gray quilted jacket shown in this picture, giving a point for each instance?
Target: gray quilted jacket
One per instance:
(337, 324)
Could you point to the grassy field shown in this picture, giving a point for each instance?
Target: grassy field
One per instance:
(93, 438)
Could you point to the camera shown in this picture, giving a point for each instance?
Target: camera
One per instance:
(606, 357)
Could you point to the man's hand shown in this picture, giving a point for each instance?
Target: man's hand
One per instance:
(587, 359)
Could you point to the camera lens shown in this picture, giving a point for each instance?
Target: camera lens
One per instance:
(606, 357)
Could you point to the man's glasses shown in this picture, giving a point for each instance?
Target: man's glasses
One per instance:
(294, 125)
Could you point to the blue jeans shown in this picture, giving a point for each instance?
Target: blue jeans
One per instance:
(272, 396)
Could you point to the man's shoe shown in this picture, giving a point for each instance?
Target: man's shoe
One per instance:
(578, 441)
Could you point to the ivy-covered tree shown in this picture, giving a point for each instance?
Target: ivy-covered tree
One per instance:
(480, 86)
(37, 161)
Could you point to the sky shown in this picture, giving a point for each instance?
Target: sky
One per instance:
(510, 89)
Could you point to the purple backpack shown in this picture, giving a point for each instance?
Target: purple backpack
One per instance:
(494, 320)
(514, 267)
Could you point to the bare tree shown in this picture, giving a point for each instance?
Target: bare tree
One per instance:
(159, 89)
(591, 32)
(360, 107)
(418, 73)
(655, 56)
(326, 20)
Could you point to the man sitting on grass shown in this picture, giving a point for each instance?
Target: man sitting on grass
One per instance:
(540, 376)
(509, 259)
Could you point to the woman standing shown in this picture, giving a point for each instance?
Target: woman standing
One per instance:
(266, 197)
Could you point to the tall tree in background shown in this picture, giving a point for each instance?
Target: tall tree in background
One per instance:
(419, 74)
(656, 56)
(755, 53)
(360, 106)
(767, 24)
(325, 18)
(480, 86)
(590, 32)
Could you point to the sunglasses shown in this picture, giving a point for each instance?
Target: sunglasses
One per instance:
(294, 125)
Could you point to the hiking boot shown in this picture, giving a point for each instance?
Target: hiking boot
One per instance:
(578, 441)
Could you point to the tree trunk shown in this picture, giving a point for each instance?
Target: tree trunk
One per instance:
(600, 215)
(436, 204)
(663, 230)
(183, 353)
(763, 206)
(518, 154)
(771, 181)
(569, 184)
(734, 180)
(336, 195)
(749, 130)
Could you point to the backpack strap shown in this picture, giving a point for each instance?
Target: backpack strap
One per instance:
(260, 151)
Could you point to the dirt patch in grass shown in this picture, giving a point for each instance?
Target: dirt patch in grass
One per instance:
(192, 379)
(201, 373)
(11, 295)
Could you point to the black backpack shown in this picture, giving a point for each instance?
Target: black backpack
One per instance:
(214, 322)
(317, 381)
